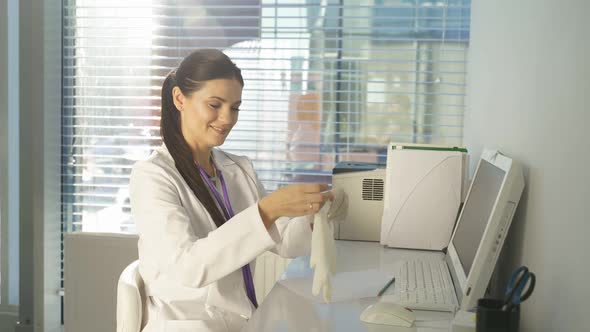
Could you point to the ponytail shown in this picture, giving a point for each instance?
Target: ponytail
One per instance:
(181, 152)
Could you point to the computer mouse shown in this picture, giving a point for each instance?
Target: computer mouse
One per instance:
(387, 313)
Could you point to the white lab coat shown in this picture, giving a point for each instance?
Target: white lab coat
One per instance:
(192, 268)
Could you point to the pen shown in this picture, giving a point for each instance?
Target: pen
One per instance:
(386, 286)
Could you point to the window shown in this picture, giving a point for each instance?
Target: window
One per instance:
(326, 81)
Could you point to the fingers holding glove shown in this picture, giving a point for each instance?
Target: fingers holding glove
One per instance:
(339, 206)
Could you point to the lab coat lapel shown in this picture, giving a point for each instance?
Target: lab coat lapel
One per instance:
(227, 166)
(196, 223)
(239, 191)
(228, 169)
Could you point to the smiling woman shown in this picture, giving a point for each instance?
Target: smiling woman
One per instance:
(215, 108)
(198, 235)
(188, 112)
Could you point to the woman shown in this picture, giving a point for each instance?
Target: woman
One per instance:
(201, 213)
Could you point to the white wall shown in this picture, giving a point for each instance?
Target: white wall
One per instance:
(529, 81)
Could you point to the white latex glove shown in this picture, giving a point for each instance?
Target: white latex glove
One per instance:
(323, 253)
(339, 206)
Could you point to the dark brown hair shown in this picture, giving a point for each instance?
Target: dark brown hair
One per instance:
(193, 72)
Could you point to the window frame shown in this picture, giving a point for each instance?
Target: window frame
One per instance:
(39, 111)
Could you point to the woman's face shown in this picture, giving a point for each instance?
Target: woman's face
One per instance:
(208, 115)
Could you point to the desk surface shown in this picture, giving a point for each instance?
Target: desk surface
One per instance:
(284, 310)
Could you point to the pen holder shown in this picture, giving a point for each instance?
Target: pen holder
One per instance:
(491, 318)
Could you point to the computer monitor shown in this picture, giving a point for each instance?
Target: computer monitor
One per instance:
(482, 226)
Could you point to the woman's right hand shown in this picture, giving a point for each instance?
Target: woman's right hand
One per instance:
(293, 200)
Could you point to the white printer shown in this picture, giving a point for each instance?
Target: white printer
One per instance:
(364, 184)
(425, 186)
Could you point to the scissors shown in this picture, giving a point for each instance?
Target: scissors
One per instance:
(516, 286)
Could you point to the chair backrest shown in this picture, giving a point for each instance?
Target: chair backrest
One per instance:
(131, 300)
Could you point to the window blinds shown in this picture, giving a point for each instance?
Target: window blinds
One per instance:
(325, 81)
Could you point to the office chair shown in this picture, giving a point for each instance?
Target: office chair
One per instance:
(131, 300)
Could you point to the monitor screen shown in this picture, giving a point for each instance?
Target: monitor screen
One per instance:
(476, 212)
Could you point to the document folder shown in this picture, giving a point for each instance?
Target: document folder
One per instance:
(424, 188)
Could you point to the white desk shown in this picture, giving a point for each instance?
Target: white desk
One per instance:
(283, 310)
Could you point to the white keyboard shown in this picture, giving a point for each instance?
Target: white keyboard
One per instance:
(423, 285)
